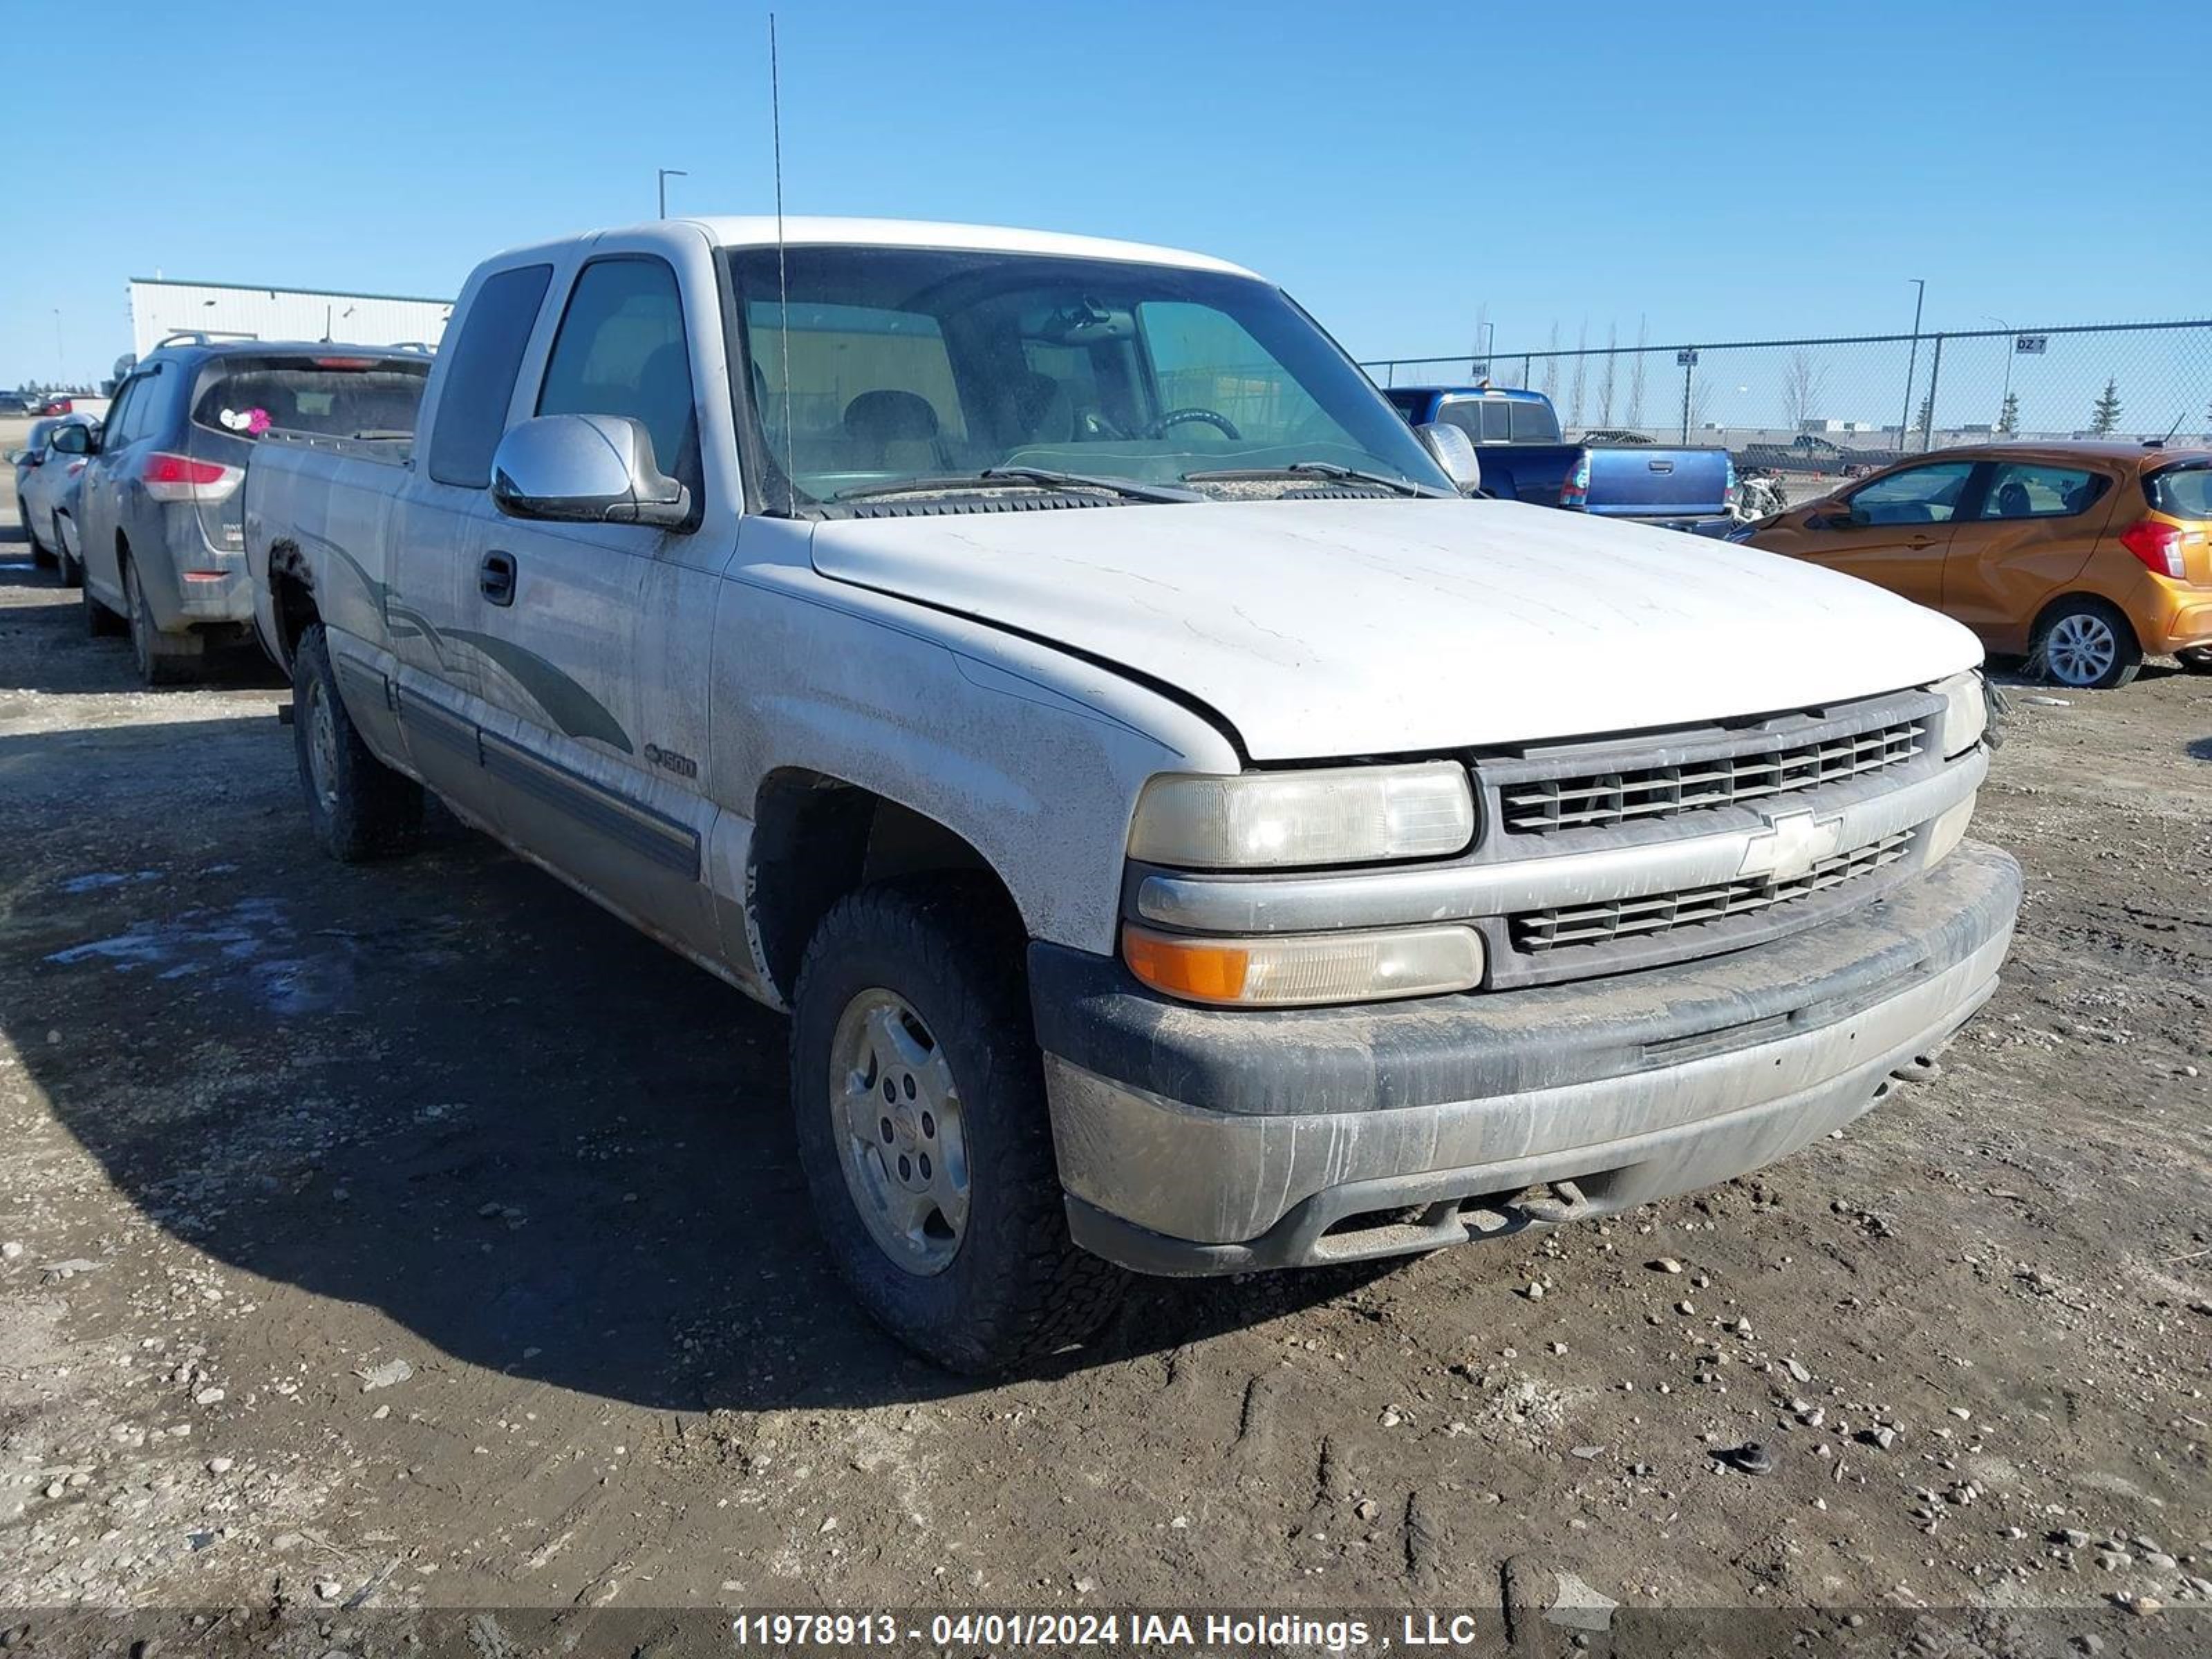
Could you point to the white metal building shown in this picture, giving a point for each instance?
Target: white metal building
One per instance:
(239, 311)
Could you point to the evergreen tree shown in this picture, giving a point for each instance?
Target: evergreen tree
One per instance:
(2105, 416)
(2008, 416)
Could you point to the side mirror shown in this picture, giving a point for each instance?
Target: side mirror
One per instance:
(73, 440)
(22, 457)
(1453, 451)
(585, 469)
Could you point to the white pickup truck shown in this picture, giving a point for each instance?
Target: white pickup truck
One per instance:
(1188, 835)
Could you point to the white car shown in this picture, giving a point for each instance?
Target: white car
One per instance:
(46, 479)
(1189, 834)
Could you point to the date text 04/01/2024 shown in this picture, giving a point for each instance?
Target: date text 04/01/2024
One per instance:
(1139, 1631)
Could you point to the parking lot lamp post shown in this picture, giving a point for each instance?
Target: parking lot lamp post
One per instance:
(1911, 362)
(2007, 327)
(666, 173)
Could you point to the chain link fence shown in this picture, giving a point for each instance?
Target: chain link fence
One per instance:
(1845, 404)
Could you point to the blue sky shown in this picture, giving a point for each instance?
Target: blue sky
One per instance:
(1726, 171)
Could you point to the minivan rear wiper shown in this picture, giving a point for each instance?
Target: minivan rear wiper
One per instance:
(1313, 470)
(1015, 478)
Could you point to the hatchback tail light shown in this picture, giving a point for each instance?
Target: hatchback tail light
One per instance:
(2157, 544)
(170, 477)
(1574, 492)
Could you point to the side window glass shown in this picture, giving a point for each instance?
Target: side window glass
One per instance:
(471, 413)
(2021, 489)
(1920, 495)
(622, 351)
(116, 432)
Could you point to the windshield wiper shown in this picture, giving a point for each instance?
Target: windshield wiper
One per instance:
(1016, 477)
(1313, 470)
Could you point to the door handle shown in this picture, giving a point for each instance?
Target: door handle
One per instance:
(495, 578)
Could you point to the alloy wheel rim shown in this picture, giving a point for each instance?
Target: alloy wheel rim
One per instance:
(141, 630)
(322, 747)
(2080, 649)
(895, 1112)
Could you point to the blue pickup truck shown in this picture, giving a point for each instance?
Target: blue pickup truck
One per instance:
(1525, 457)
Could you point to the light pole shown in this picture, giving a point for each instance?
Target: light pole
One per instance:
(2010, 344)
(1912, 364)
(666, 173)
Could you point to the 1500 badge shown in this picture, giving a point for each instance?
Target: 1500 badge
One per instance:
(669, 761)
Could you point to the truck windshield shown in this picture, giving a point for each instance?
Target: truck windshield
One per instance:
(930, 365)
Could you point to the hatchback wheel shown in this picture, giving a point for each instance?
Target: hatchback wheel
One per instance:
(2087, 644)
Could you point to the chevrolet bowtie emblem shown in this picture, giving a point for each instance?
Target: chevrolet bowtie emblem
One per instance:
(1791, 845)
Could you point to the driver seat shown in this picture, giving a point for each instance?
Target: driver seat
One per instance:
(893, 431)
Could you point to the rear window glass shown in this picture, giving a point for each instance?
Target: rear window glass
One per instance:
(1534, 423)
(2181, 492)
(246, 399)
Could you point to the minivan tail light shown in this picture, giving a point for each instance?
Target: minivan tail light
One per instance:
(2157, 544)
(170, 477)
(1575, 491)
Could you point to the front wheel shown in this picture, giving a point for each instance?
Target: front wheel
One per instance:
(2087, 644)
(359, 807)
(923, 1128)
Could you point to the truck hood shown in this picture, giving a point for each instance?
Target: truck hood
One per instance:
(1321, 629)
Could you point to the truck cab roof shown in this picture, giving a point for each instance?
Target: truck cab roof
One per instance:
(760, 230)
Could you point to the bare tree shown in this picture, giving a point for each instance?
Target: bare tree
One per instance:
(1804, 388)
(1581, 368)
(1636, 375)
(1612, 371)
(1552, 367)
(1701, 402)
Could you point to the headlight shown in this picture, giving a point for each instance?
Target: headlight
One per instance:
(1966, 713)
(1946, 832)
(1262, 820)
(1296, 970)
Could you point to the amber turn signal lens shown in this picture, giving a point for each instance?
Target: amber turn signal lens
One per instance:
(1298, 970)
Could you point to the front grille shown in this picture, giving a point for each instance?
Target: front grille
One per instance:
(1601, 799)
(1695, 907)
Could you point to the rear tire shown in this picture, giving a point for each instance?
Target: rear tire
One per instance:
(71, 573)
(967, 1259)
(40, 553)
(2086, 645)
(157, 666)
(2197, 660)
(359, 808)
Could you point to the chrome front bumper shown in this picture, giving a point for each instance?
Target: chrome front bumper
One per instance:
(1196, 1141)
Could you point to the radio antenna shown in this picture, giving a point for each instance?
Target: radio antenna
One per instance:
(782, 276)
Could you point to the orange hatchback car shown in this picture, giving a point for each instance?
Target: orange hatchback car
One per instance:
(2082, 556)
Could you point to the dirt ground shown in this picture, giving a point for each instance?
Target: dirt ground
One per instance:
(416, 1236)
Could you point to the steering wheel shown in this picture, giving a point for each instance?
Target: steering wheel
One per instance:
(1177, 416)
